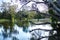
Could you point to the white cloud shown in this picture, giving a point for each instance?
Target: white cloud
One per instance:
(42, 7)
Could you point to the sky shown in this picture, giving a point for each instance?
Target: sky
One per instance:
(17, 2)
(40, 7)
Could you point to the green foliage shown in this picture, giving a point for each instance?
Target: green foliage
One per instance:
(22, 23)
(5, 15)
(53, 18)
(20, 15)
(57, 4)
(26, 14)
(31, 14)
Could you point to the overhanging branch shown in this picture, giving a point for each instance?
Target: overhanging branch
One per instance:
(25, 4)
(54, 6)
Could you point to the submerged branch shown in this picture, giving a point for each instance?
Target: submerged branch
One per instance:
(50, 36)
(42, 29)
(40, 23)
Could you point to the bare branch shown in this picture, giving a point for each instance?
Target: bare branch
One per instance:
(54, 6)
(25, 4)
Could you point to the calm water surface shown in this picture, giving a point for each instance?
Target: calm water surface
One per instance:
(20, 34)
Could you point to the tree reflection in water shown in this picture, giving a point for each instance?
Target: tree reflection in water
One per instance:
(10, 31)
(8, 28)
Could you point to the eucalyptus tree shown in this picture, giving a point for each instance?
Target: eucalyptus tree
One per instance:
(8, 13)
(9, 9)
(12, 12)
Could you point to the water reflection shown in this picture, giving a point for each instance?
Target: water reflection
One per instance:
(20, 31)
(16, 34)
(14, 31)
(40, 34)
